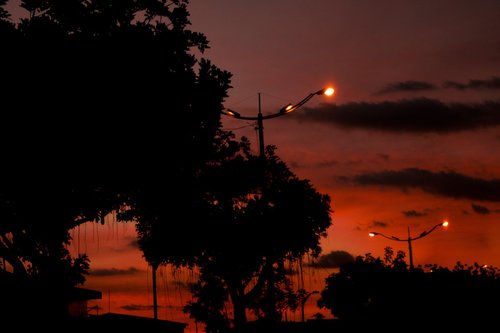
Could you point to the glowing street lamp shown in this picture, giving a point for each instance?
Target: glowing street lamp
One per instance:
(328, 91)
(410, 239)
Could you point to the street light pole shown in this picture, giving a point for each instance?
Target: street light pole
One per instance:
(283, 111)
(260, 126)
(303, 304)
(155, 296)
(409, 239)
(410, 252)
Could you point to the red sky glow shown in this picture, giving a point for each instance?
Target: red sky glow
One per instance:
(385, 171)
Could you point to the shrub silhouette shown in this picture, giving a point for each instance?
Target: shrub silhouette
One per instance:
(381, 291)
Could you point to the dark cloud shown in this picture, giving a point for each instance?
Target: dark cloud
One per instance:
(326, 164)
(385, 157)
(406, 86)
(480, 209)
(445, 183)
(333, 259)
(293, 271)
(414, 213)
(296, 165)
(114, 271)
(191, 286)
(379, 224)
(409, 115)
(454, 85)
(141, 307)
(137, 307)
(133, 244)
(490, 84)
(183, 285)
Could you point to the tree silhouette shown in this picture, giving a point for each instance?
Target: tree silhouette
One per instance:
(105, 108)
(7, 28)
(385, 292)
(252, 216)
(4, 14)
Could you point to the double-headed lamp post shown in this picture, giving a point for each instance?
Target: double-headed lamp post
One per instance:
(410, 239)
(284, 110)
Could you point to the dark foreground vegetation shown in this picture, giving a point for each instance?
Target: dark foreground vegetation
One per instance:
(385, 291)
(109, 109)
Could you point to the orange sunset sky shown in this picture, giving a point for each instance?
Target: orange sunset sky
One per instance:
(388, 158)
(410, 138)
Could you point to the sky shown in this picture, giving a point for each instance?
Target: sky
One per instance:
(409, 139)
(412, 134)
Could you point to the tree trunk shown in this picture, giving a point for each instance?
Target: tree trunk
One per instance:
(239, 307)
(240, 314)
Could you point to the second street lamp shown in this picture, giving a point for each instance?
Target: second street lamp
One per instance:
(409, 239)
(284, 110)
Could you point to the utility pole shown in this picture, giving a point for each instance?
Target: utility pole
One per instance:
(410, 251)
(260, 127)
(155, 299)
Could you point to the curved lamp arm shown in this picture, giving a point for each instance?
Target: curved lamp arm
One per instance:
(373, 234)
(284, 110)
(292, 107)
(423, 234)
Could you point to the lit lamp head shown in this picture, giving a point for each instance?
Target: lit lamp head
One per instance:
(445, 223)
(328, 91)
(373, 234)
(232, 113)
(287, 108)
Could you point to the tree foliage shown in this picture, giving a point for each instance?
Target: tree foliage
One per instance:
(105, 107)
(257, 215)
(109, 109)
(4, 14)
(386, 292)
